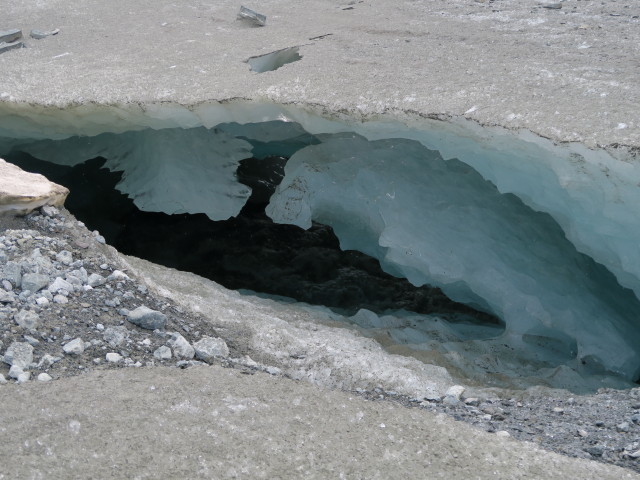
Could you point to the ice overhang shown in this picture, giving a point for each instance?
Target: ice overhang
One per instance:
(583, 200)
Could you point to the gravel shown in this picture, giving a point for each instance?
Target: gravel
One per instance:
(110, 320)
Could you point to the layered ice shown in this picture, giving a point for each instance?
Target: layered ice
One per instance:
(169, 170)
(541, 234)
(441, 223)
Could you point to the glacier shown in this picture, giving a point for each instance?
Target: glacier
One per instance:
(542, 234)
(441, 223)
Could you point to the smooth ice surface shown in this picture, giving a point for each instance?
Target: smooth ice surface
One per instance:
(439, 222)
(170, 170)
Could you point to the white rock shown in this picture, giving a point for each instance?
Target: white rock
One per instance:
(48, 360)
(115, 336)
(42, 301)
(19, 354)
(44, 377)
(181, 347)
(61, 299)
(455, 391)
(15, 371)
(64, 257)
(22, 192)
(3, 380)
(95, 280)
(208, 348)
(74, 347)
(503, 434)
(113, 357)
(118, 275)
(162, 353)
(27, 319)
(24, 377)
(59, 286)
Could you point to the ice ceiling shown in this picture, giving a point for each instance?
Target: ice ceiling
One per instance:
(545, 236)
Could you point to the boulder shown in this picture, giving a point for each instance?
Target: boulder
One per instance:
(22, 192)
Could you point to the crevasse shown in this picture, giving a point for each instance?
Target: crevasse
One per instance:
(544, 235)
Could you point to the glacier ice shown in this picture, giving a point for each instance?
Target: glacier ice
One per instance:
(169, 170)
(567, 213)
(440, 222)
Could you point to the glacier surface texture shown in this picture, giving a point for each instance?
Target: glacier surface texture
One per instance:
(544, 236)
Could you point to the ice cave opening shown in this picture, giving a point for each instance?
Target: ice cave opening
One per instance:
(424, 253)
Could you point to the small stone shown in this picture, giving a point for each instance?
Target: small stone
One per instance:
(112, 302)
(503, 434)
(455, 391)
(64, 257)
(181, 347)
(99, 326)
(42, 301)
(34, 282)
(44, 377)
(208, 348)
(31, 341)
(95, 280)
(15, 371)
(599, 423)
(113, 357)
(623, 427)
(558, 410)
(6, 284)
(595, 450)
(12, 272)
(273, 370)
(583, 433)
(27, 319)
(48, 360)
(472, 401)
(74, 347)
(635, 418)
(117, 275)
(24, 377)
(19, 354)
(3, 380)
(146, 318)
(115, 336)
(162, 353)
(49, 211)
(61, 299)
(40, 34)
(635, 454)
(60, 286)
(7, 297)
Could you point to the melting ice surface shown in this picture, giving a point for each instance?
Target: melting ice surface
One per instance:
(451, 223)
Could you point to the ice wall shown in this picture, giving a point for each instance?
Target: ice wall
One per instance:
(592, 194)
(439, 222)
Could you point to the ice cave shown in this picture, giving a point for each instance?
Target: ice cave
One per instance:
(515, 256)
